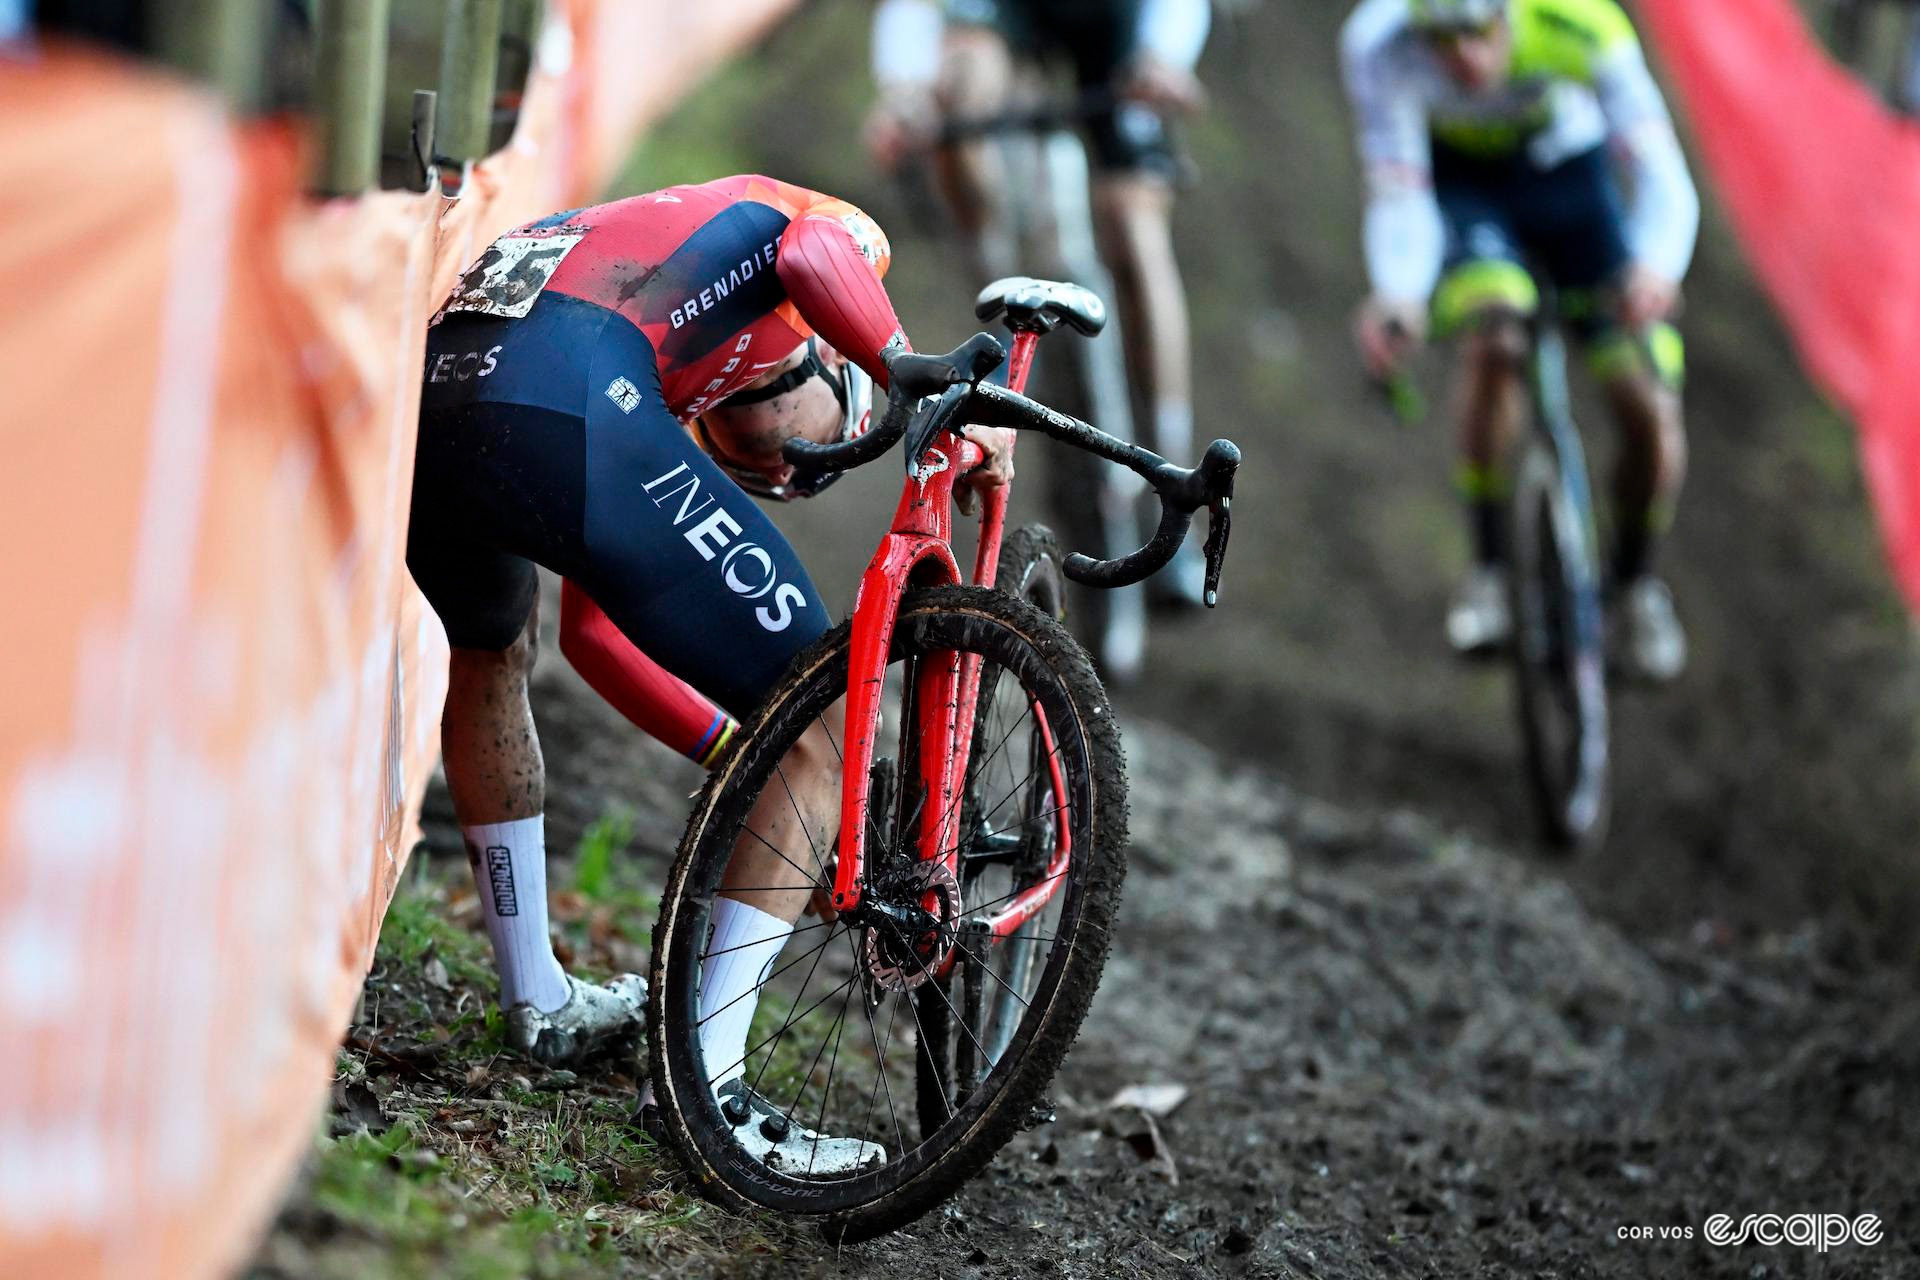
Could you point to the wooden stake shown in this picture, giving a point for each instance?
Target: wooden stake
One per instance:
(349, 91)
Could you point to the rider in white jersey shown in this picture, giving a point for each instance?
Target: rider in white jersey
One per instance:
(1500, 137)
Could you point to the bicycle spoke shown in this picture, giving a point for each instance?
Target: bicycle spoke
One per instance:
(814, 1066)
(1001, 745)
(705, 956)
(791, 1019)
(913, 1007)
(826, 1094)
(818, 884)
(927, 981)
(982, 962)
(1008, 897)
(960, 792)
(880, 1059)
(828, 730)
(798, 817)
(770, 977)
(1024, 822)
(819, 954)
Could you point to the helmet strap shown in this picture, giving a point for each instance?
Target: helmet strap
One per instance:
(794, 377)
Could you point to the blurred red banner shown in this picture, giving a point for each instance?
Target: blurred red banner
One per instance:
(1822, 183)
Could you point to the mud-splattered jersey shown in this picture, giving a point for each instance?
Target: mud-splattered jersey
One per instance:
(725, 278)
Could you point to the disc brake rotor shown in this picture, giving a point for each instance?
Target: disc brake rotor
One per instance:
(901, 963)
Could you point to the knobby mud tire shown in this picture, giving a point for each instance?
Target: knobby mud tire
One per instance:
(966, 617)
(1567, 825)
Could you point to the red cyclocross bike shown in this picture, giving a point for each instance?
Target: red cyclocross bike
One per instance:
(965, 877)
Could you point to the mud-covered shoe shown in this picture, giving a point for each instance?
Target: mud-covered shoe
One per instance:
(593, 1015)
(1479, 620)
(766, 1134)
(1655, 645)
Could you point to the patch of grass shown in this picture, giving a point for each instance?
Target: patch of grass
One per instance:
(485, 1166)
(529, 1183)
(404, 1197)
(417, 930)
(610, 833)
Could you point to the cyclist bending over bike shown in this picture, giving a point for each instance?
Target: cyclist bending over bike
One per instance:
(560, 379)
(1133, 61)
(1489, 131)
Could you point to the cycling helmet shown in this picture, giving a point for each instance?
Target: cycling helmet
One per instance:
(1455, 15)
(851, 387)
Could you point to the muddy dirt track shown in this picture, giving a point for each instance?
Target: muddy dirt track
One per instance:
(1408, 1053)
(1414, 1046)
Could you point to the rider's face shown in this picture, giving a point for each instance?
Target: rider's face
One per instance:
(1476, 59)
(749, 437)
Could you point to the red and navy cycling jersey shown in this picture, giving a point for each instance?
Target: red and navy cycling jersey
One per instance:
(724, 278)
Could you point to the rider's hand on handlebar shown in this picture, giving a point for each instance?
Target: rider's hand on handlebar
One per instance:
(1388, 331)
(1160, 84)
(997, 470)
(1646, 297)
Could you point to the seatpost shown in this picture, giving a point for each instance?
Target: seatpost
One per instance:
(1024, 341)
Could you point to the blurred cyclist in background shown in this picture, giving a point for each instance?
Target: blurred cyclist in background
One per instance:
(1498, 135)
(1132, 62)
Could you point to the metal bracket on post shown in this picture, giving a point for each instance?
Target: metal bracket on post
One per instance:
(420, 139)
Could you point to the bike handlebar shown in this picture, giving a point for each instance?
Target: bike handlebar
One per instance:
(1045, 117)
(1181, 490)
(953, 380)
(911, 376)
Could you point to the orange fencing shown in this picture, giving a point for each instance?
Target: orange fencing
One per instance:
(221, 692)
(1823, 185)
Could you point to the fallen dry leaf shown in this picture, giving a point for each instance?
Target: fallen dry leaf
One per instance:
(1158, 1100)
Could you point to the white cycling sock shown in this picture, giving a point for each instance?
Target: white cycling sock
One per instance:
(1173, 432)
(740, 954)
(509, 861)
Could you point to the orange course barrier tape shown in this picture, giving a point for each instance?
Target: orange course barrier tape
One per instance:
(1822, 183)
(221, 694)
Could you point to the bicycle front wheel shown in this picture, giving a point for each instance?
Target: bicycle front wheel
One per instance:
(1560, 656)
(840, 1033)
